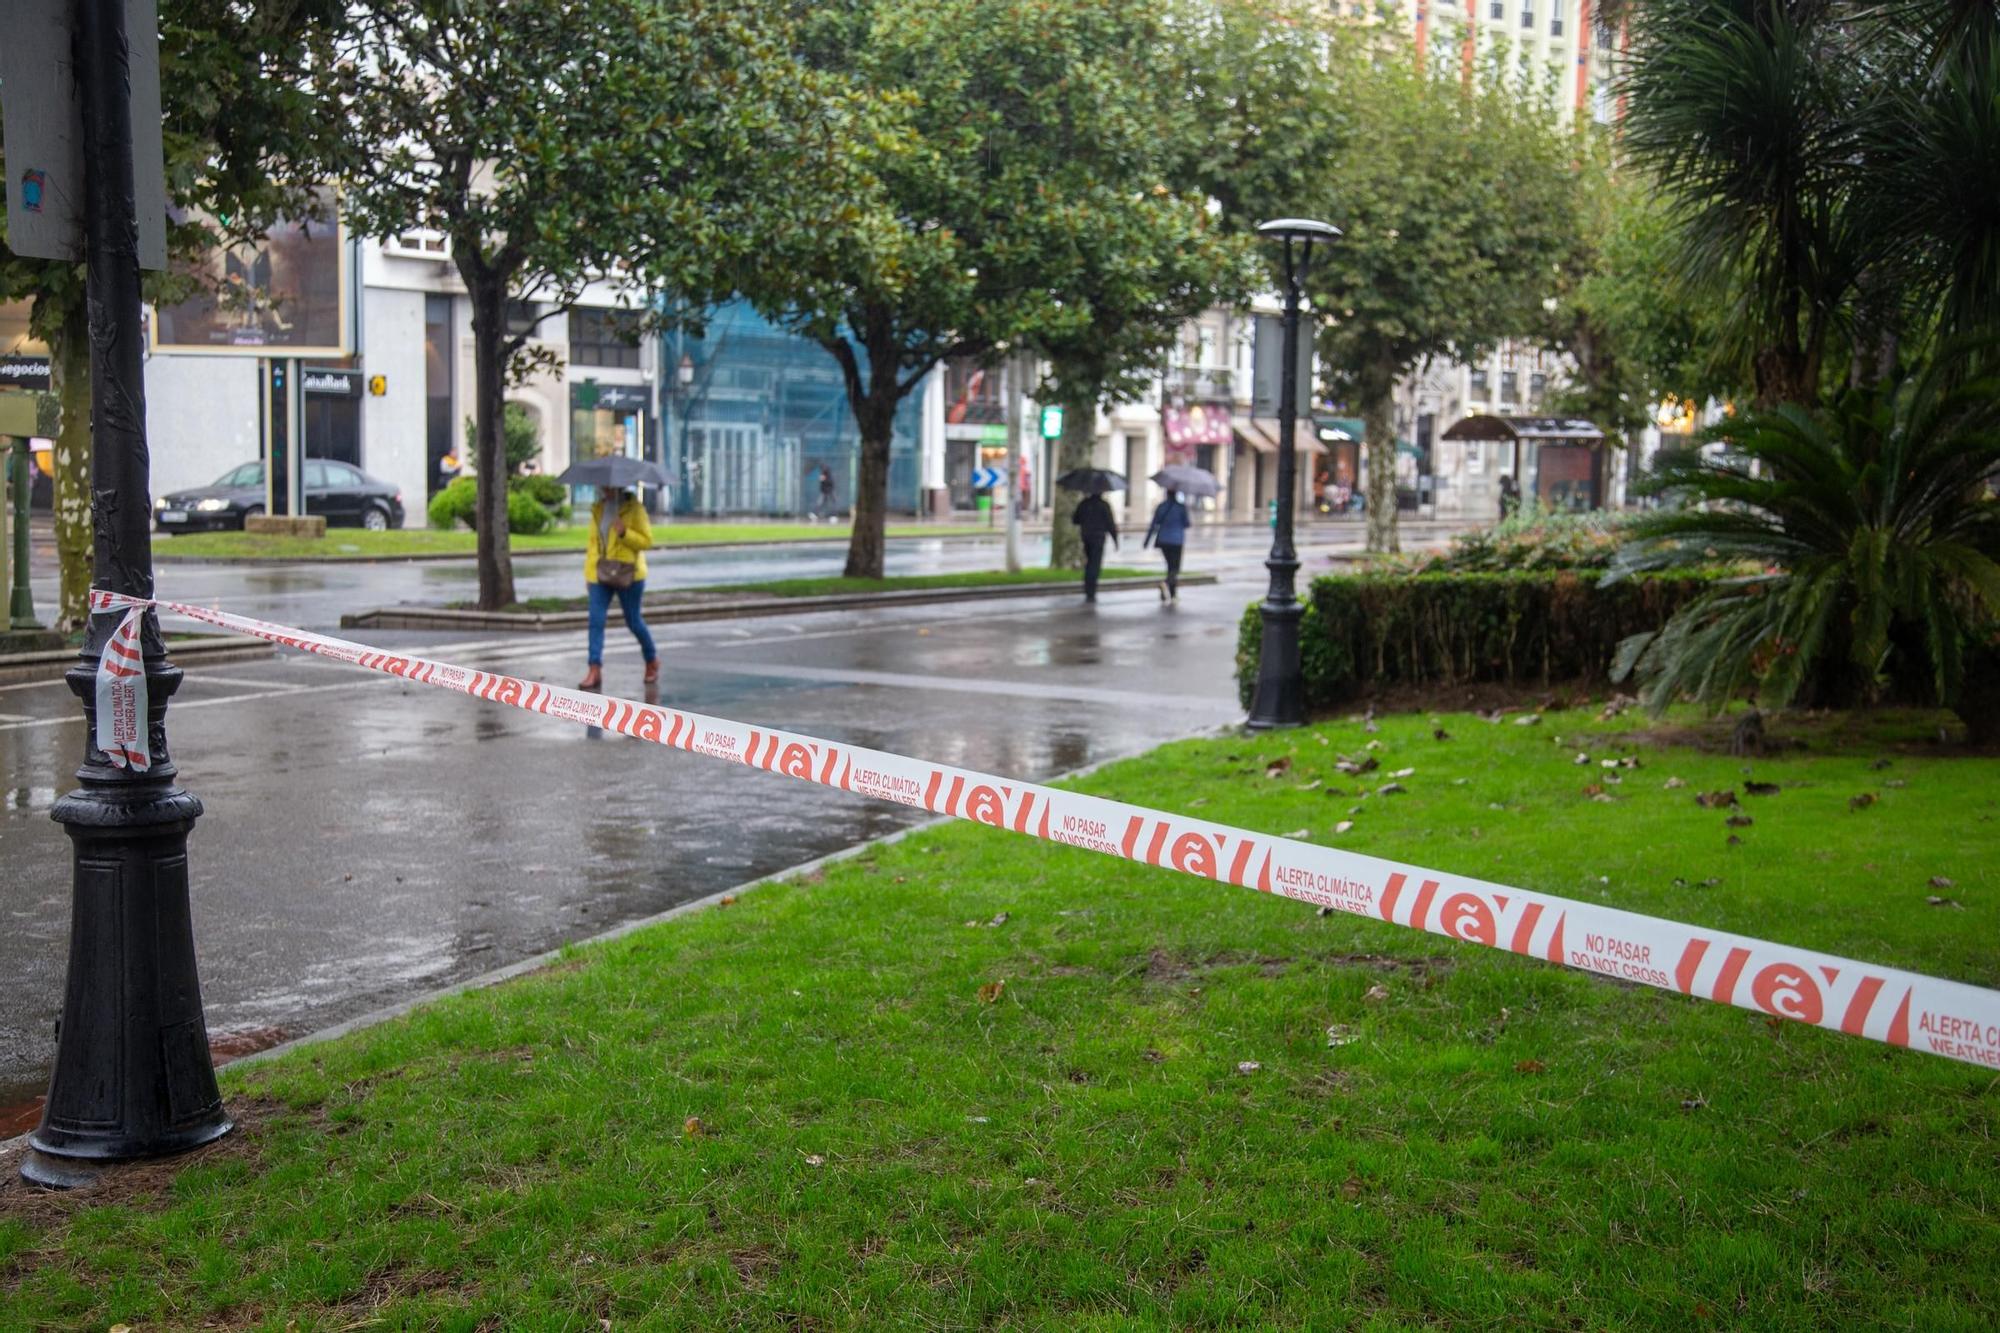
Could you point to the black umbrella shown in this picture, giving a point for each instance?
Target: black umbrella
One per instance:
(1187, 480)
(1090, 480)
(613, 470)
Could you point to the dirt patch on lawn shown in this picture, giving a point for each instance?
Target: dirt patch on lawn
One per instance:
(131, 1183)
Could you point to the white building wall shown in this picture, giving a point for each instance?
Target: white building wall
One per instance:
(202, 418)
(392, 426)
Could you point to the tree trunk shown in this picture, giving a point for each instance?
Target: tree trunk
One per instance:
(1073, 450)
(865, 548)
(496, 558)
(70, 362)
(1378, 416)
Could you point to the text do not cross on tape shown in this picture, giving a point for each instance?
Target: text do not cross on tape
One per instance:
(1947, 1018)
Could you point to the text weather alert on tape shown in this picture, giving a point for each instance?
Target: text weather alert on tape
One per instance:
(1947, 1018)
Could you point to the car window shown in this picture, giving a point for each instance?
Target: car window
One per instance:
(317, 475)
(250, 474)
(340, 474)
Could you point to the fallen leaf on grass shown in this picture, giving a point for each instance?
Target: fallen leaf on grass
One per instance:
(1895, 782)
(1372, 745)
(814, 1159)
(1341, 1035)
(990, 992)
(1738, 821)
(1199, 800)
(1440, 735)
(1531, 1067)
(1735, 841)
(1404, 773)
(1352, 1187)
(1347, 824)
(1277, 768)
(1527, 720)
(693, 1128)
(1300, 833)
(1324, 910)
(1674, 784)
(1593, 789)
(1943, 882)
(1761, 789)
(1715, 800)
(1694, 1103)
(1247, 1066)
(1152, 1057)
(1881, 764)
(1603, 798)
(1863, 801)
(999, 920)
(1311, 786)
(727, 900)
(1581, 759)
(1936, 901)
(1391, 789)
(1376, 994)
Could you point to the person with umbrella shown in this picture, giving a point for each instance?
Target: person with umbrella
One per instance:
(1168, 530)
(1093, 519)
(614, 556)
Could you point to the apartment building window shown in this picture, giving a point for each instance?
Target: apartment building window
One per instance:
(522, 318)
(1498, 10)
(1604, 36)
(604, 338)
(1538, 384)
(1555, 18)
(1527, 16)
(1479, 382)
(1510, 386)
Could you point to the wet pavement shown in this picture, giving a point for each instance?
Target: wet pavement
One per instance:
(368, 840)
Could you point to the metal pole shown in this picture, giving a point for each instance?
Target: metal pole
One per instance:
(1017, 425)
(21, 607)
(1279, 700)
(133, 1077)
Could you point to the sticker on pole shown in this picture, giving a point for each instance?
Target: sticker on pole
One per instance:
(121, 694)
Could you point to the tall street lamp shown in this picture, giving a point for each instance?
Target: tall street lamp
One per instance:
(1279, 700)
(133, 1077)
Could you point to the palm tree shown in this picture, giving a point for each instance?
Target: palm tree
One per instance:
(1871, 538)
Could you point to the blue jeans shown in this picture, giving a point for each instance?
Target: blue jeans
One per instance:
(629, 603)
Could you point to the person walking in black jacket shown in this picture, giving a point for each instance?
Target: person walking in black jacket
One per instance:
(1094, 521)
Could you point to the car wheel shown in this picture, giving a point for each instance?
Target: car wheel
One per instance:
(373, 519)
(252, 512)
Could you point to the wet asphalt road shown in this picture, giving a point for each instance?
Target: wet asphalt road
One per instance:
(368, 840)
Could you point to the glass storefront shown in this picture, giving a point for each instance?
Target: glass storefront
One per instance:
(751, 415)
(608, 419)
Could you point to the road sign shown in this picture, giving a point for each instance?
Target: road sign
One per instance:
(44, 129)
(986, 478)
(1052, 421)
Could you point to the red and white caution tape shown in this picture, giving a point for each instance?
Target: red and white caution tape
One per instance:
(1948, 1018)
(121, 691)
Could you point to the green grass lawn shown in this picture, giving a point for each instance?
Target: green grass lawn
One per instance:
(835, 583)
(357, 544)
(1188, 1106)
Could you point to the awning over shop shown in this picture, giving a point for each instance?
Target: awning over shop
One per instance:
(1261, 434)
(1541, 430)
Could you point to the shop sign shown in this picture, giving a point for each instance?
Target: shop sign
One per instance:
(339, 383)
(25, 372)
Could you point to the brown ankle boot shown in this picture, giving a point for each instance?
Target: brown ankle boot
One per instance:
(653, 672)
(592, 679)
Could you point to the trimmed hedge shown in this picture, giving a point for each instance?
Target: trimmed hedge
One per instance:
(1539, 627)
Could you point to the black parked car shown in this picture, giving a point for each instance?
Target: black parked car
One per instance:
(343, 494)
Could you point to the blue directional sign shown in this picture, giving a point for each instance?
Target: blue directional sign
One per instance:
(986, 478)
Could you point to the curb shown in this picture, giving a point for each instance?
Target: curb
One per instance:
(541, 960)
(422, 557)
(444, 618)
(18, 667)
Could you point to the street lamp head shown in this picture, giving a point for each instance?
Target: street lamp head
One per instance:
(1297, 229)
(1298, 235)
(684, 372)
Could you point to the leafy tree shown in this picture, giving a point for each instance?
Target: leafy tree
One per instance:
(1456, 205)
(226, 121)
(1620, 313)
(556, 142)
(1017, 153)
(1873, 541)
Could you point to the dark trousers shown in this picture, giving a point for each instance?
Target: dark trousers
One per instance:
(1093, 564)
(1172, 552)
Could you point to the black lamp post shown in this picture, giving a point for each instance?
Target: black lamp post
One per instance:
(133, 1078)
(1280, 697)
